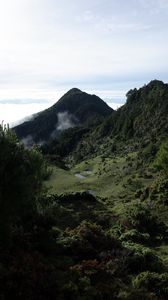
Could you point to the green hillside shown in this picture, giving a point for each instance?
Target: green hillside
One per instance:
(141, 122)
(85, 217)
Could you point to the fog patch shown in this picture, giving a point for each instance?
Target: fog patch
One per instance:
(41, 143)
(26, 119)
(65, 121)
(28, 141)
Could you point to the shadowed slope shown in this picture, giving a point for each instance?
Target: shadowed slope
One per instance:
(75, 108)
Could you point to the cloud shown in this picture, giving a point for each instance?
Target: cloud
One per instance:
(87, 16)
(111, 23)
(131, 27)
(11, 113)
(21, 121)
(50, 46)
(114, 106)
(65, 121)
(157, 4)
(28, 141)
(24, 101)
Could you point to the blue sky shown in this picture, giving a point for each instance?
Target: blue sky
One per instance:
(102, 46)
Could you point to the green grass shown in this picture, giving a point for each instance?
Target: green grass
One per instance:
(102, 178)
(115, 182)
(62, 181)
(113, 179)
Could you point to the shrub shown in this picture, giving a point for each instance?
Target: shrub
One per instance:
(142, 258)
(21, 180)
(141, 218)
(161, 161)
(154, 282)
(135, 236)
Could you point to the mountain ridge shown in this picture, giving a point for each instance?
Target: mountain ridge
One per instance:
(81, 109)
(142, 119)
(144, 116)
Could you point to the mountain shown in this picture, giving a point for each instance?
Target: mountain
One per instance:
(142, 120)
(75, 108)
(94, 223)
(145, 113)
(95, 128)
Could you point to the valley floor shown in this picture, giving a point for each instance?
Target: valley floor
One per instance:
(114, 179)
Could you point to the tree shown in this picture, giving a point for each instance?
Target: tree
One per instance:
(161, 162)
(21, 177)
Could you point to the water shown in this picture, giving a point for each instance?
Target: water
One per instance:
(92, 192)
(80, 176)
(88, 172)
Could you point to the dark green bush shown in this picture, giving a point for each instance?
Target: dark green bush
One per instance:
(142, 258)
(154, 282)
(135, 236)
(141, 218)
(22, 172)
(161, 161)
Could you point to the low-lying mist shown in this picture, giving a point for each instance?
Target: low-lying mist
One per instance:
(65, 121)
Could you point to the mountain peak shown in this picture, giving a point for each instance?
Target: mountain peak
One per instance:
(74, 91)
(75, 108)
(156, 82)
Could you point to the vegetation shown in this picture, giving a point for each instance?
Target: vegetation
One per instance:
(161, 161)
(96, 227)
(22, 172)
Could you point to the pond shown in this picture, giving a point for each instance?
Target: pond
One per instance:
(80, 176)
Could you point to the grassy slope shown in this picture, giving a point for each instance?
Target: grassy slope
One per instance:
(115, 179)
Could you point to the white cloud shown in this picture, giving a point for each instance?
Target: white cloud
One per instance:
(114, 106)
(13, 112)
(49, 46)
(154, 4)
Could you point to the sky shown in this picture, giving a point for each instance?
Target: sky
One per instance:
(105, 47)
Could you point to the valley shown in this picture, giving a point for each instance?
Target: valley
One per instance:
(115, 180)
(88, 218)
